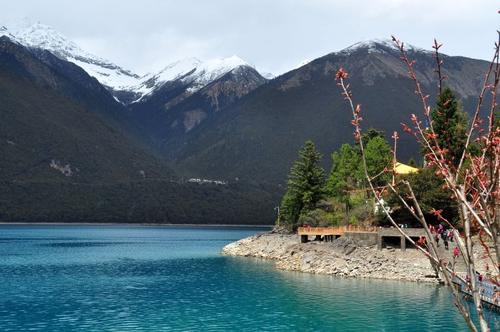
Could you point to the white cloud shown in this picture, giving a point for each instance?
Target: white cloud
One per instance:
(274, 35)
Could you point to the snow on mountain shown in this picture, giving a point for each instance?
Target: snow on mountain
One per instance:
(211, 70)
(379, 46)
(116, 78)
(44, 37)
(176, 70)
(190, 71)
(173, 71)
(268, 76)
(5, 32)
(215, 68)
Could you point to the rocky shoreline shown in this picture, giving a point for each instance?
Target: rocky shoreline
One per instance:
(340, 258)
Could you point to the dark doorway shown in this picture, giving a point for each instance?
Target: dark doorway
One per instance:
(410, 245)
(391, 242)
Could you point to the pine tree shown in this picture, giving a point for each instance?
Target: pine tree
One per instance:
(370, 134)
(412, 163)
(305, 185)
(344, 174)
(347, 172)
(429, 191)
(379, 157)
(450, 125)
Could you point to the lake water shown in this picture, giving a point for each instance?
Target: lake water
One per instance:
(126, 278)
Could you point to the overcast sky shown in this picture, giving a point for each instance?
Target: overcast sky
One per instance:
(272, 35)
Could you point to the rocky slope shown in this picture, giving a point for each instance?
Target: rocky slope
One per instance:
(191, 72)
(66, 156)
(258, 136)
(54, 113)
(40, 36)
(339, 258)
(126, 86)
(180, 106)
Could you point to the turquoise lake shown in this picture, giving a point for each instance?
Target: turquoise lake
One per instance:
(133, 278)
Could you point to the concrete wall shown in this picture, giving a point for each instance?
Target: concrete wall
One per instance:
(367, 239)
(392, 231)
(382, 238)
(385, 233)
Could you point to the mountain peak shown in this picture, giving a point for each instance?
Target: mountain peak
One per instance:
(177, 69)
(191, 71)
(224, 63)
(215, 68)
(6, 32)
(39, 35)
(378, 46)
(42, 36)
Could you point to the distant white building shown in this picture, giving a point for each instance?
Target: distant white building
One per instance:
(207, 181)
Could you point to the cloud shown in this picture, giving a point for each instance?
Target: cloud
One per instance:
(273, 35)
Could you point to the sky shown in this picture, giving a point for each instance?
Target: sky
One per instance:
(272, 35)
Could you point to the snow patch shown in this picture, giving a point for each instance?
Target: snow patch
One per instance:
(268, 76)
(64, 169)
(379, 46)
(42, 36)
(190, 71)
(6, 32)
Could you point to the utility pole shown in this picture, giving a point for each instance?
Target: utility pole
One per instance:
(277, 208)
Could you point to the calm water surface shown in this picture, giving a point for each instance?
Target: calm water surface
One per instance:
(125, 278)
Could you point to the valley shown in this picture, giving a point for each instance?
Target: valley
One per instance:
(83, 134)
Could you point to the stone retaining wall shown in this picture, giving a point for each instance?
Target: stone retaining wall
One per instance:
(342, 257)
(363, 239)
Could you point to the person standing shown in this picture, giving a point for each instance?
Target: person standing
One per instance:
(444, 236)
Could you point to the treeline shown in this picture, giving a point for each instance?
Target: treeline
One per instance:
(316, 198)
(136, 202)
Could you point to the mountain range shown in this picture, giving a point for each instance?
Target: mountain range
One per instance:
(68, 154)
(87, 140)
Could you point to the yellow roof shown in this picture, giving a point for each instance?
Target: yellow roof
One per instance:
(403, 169)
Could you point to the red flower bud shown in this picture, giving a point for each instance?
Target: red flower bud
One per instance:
(341, 74)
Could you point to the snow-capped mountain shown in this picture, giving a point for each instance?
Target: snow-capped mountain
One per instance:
(268, 75)
(126, 85)
(44, 37)
(5, 32)
(379, 46)
(191, 96)
(190, 71)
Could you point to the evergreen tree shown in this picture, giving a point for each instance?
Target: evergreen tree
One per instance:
(412, 163)
(370, 134)
(450, 124)
(305, 185)
(344, 175)
(428, 188)
(290, 208)
(379, 156)
(347, 172)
